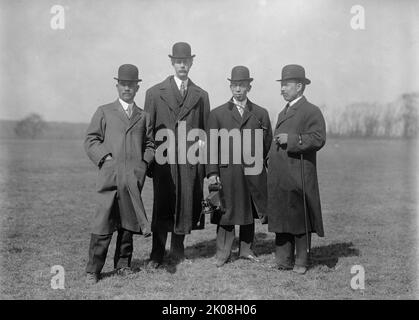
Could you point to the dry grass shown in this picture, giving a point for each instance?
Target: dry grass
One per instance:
(368, 198)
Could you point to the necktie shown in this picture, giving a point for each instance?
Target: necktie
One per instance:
(182, 89)
(240, 110)
(286, 108)
(129, 111)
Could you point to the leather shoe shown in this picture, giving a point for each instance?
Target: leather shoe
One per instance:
(220, 262)
(299, 269)
(283, 268)
(250, 257)
(124, 271)
(176, 258)
(154, 264)
(91, 278)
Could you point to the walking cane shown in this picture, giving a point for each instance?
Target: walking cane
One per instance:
(304, 202)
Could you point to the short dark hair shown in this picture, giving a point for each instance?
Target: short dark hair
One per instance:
(303, 87)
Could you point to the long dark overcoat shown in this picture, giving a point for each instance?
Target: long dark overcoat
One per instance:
(245, 196)
(120, 180)
(178, 187)
(305, 126)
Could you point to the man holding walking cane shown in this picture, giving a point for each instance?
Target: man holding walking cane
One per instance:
(294, 210)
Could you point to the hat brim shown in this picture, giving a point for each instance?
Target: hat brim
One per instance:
(245, 79)
(137, 80)
(187, 57)
(305, 80)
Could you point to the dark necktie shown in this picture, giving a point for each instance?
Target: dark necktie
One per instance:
(286, 108)
(182, 89)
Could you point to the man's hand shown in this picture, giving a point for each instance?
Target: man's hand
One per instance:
(281, 138)
(213, 179)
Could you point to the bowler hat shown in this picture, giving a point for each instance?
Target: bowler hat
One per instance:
(240, 73)
(294, 72)
(181, 50)
(127, 72)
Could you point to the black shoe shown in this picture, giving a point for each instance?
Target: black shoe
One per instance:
(220, 262)
(124, 271)
(153, 264)
(250, 257)
(300, 269)
(176, 258)
(284, 268)
(91, 278)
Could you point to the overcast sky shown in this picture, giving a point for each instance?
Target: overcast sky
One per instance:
(64, 75)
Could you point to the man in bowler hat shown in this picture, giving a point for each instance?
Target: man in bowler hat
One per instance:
(245, 195)
(299, 133)
(119, 141)
(178, 187)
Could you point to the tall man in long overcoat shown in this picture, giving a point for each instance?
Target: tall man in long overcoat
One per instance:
(119, 141)
(243, 190)
(177, 105)
(300, 130)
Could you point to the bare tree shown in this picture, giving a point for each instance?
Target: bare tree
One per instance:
(31, 127)
(410, 104)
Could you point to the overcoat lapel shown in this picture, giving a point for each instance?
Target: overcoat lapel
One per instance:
(167, 95)
(176, 93)
(291, 112)
(119, 110)
(190, 101)
(136, 115)
(246, 113)
(235, 113)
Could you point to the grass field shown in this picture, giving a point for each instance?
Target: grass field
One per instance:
(369, 208)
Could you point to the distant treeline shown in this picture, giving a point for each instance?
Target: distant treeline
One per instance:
(399, 119)
(51, 130)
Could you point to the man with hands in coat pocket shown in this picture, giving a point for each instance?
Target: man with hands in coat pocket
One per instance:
(119, 141)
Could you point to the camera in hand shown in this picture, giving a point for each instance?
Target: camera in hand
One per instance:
(213, 204)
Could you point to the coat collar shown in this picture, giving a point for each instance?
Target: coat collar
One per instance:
(194, 93)
(190, 101)
(136, 114)
(167, 95)
(241, 120)
(291, 112)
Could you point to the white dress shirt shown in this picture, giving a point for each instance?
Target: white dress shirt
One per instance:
(241, 103)
(179, 83)
(295, 101)
(126, 105)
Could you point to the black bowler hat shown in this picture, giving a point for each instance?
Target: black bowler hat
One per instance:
(128, 72)
(240, 73)
(181, 50)
(294, 72)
